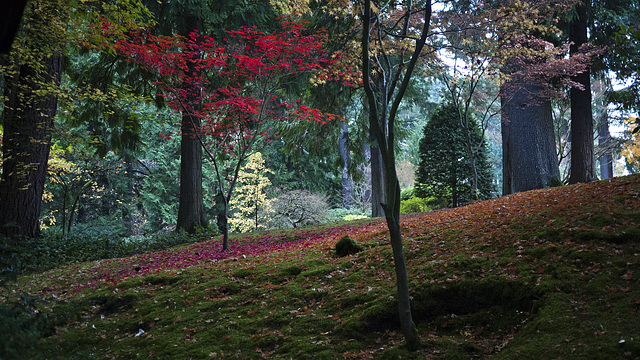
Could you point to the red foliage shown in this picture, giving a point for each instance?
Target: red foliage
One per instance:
(233, 85)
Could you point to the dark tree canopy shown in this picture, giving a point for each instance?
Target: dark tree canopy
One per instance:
(444, 171)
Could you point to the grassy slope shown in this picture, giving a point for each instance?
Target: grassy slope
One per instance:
(544, 274)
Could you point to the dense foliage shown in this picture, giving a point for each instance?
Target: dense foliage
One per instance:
(444, 171)
(98, 98)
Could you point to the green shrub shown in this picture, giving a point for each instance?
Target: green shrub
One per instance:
(414, 205)
(342, 214)
(408, 193)
(22, 325)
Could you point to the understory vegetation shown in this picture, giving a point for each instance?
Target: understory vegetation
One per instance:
(544, 274)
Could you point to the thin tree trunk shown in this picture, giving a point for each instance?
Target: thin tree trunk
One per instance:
(582, 158)
(392, 215)
(127, 216)
(377, 182)
(604, 142)
(472, 167)
(27, 122)
(347, 180)
(382, 126)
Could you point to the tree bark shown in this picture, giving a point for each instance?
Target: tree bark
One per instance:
(347, 181)
(582, 158)
(528, 145)
(28, 120)
(191, 208)
(191, 214)
(382, 127)
(604, 142)
(377, 180)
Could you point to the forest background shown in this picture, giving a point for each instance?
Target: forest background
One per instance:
(125, 121)
(114, 143)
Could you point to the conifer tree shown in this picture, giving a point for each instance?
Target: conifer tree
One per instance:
(444, 169)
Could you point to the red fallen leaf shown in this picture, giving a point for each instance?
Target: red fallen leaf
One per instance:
(626, 289)
(627, 276)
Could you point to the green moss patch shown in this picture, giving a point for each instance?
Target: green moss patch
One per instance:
(556, 269)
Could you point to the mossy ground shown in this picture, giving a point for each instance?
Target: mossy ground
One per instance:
(540, 275)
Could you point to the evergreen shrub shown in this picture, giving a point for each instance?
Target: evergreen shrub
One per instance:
(444, 170)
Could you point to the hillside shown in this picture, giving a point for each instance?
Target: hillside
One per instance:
(544, 274)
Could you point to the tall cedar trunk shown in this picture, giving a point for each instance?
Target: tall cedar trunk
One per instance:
(27, 121)
(347, 180)
(528, 145)
(604, 142)
(582, 158)
(191, 208)
(191, 214)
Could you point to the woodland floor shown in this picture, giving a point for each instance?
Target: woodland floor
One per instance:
(545, 274)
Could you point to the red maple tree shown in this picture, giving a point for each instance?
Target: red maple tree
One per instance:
(234, 87)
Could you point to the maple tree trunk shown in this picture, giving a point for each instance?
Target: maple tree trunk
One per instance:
(382, 127)
(392, 215)
(582, 158)
(224, 226)
(528, 144)
(27, 121)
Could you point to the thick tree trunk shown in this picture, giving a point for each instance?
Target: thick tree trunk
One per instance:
(191, 214)
(27, 121)
(347, 181)
(528, 144)
(582, 158)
